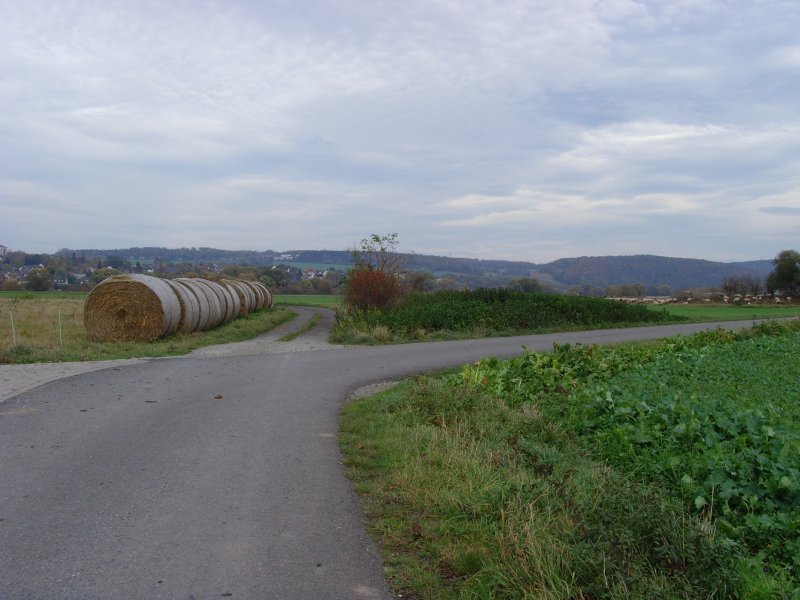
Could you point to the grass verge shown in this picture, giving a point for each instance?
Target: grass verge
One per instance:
(514, 479)
(307, 326)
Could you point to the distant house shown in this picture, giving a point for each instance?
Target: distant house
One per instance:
(3, 251)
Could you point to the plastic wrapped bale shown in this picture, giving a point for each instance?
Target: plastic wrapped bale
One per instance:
(131, 307)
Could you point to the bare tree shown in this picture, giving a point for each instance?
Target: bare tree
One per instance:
(379, 253)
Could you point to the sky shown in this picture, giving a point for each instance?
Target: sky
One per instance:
(504, 129)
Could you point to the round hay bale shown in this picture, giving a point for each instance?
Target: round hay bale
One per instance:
(207, 301)
(267, 295)
(216, 303)
(190, 307)
(216, 289)
(231, 311)
(259, 294)
(246, 296)
(234, 298)
(131, 307)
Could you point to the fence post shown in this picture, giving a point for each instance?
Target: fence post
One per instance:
(13, 331)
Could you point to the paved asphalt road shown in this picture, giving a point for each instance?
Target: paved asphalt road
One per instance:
(210, 476)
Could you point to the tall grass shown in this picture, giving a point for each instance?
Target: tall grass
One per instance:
(37, 336)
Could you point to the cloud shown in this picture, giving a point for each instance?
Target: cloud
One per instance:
(527, 130)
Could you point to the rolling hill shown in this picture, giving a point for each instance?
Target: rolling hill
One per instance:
(596, 272)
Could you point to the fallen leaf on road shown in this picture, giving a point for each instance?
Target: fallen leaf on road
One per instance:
(218, 397)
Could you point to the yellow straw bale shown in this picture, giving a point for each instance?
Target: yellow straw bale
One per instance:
(131, 307)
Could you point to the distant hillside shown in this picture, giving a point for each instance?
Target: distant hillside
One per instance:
(652, 271)
(596, 272)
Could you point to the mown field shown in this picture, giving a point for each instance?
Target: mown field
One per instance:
(48, 327)
(668, 469)
(487, 312)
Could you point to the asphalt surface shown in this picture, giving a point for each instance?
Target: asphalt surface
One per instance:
(209, 476)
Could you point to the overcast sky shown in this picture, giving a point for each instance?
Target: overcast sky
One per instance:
(529, 130)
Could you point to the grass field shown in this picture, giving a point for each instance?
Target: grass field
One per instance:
(48, 327)
(325, 301)
(669, 469)
(702, 312)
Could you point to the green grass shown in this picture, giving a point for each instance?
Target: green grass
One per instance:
(48, 327)
(324, 301)
(700, 312)
(525, 479)
(307, 326)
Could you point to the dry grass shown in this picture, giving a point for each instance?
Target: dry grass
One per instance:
(50, 328)
(36, 321)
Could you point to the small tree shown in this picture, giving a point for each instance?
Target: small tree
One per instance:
(786, 275)
(374, 280)
(11, 284)
(529, 284)
(366, 289)
(103, 274)
(38, 280)
(379, 253)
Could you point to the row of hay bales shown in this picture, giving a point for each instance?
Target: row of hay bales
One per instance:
(142, 307)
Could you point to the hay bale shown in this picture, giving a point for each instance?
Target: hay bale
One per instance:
(222, 303)
(234, 298)
(207, 301)
(267, 295)
(131, 307)
(190, 307)
(203, 311)
(247, 298)
(231, 311)
(259, 294)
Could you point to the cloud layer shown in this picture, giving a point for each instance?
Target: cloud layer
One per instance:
(530, 130)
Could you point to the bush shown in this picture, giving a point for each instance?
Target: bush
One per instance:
(368, 289)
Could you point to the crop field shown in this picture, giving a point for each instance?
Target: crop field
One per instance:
(325, 301)
(48, 327)
(484, 312)
(744, 312)
(667, 469)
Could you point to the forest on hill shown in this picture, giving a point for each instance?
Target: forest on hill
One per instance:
(586, 274)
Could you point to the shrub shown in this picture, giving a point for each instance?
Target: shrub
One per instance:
(368, 289)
